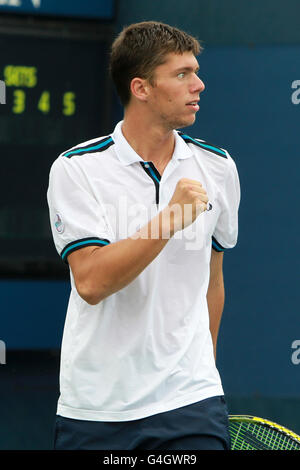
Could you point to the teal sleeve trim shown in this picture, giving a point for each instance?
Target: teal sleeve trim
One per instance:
(76, 245)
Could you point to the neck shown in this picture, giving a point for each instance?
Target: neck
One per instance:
(150, 141)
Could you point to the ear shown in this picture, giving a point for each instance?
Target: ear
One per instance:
(139, 88)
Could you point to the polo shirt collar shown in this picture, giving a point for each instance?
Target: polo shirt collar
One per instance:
(127, 155)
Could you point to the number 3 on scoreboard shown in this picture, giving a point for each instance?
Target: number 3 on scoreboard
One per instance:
(69, 103)
(19, 102)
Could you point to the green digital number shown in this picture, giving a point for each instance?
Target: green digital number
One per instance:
(19, 101)
(69, 105)
(44, 102)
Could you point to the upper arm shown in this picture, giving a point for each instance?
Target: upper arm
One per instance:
(215, 294)
(78, 223)
(82, 263)
(216, 268)
(80, 260)
(77, 218)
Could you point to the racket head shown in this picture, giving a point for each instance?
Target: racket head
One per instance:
(254, 433)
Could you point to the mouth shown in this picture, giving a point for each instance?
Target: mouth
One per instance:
(193, 105)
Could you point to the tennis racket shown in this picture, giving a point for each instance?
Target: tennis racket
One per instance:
(252, 433)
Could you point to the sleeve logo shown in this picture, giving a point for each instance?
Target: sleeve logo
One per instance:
(59, 224)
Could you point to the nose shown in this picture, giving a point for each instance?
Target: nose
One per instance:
(198, 85)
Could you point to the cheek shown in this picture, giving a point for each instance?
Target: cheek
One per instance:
(168, 95)
(174, 98)
(164, 101)
(167, 99)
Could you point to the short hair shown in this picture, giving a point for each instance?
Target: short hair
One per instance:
(140, 48)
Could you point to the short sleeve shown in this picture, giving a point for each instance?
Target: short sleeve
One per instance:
(77, 218)
(226, 231)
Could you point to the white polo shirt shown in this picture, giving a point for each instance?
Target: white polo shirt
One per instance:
(147, 348)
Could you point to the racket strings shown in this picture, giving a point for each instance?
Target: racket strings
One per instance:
(242, 438)
(249, 436)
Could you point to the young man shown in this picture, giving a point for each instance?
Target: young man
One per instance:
(142, 217)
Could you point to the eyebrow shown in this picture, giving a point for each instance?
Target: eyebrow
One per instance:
(187, 69)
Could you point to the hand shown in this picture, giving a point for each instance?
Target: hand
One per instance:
(187, 203)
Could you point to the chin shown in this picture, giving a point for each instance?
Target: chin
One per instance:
(185, 123)
(177, 123)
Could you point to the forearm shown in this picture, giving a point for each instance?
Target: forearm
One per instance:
(111, 268)
(101, 271)
(215, 301)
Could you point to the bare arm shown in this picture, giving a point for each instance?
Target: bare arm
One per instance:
(215, 295)
(101, 271)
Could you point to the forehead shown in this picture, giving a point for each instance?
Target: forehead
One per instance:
(175, 61)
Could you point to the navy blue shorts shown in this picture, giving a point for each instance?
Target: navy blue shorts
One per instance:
(200, 426)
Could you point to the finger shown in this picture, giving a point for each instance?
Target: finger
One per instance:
(190, 184)
(195, 187)
(200, 207)
(189, 181)
(199, 196)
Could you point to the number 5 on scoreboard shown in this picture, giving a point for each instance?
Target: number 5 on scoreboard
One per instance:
(69, 105)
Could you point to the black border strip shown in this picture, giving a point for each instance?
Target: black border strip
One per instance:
(81, 150)
(82, 243)
(216, 245)
(153, 179)
(202, 145)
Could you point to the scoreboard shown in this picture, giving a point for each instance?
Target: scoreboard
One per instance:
(58, 94)
(20, 78)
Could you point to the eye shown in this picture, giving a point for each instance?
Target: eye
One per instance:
(181, 75)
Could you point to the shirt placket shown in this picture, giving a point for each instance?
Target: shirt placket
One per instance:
(159, 181)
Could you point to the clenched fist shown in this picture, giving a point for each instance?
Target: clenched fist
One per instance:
(188, 201)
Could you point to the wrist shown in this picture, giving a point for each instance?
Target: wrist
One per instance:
(167, 225)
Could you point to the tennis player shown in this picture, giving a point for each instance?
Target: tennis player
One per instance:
(142, 217)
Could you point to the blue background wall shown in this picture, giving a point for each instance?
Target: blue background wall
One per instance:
(247, 109)
(251, 57)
